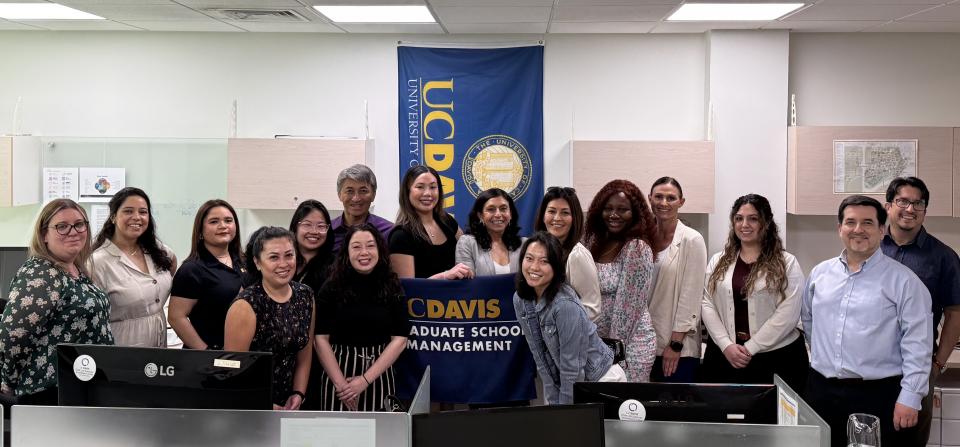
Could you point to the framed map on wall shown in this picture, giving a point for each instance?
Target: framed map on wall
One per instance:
(868, 166)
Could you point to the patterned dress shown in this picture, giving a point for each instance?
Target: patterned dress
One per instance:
(283, 329)
(625, 289)
(47, 306)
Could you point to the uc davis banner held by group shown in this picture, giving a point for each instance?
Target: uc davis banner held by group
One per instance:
(468, 333)
(476, 116)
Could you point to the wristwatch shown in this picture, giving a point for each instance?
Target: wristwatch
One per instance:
(942, 367)
(676, 346)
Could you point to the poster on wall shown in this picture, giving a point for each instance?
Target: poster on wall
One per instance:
(100, 184)
(868, 166)
(61, 183)
(476, 116)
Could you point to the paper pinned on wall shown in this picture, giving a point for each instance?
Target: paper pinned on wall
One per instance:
(100, 184)
(98, 216)
(61, 183)
(328, 432)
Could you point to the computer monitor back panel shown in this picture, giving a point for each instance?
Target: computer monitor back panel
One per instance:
(726, 403)
(538, 426)
(114, 376)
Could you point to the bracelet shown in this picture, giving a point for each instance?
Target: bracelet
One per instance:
(303, 397)
(940, 366)
(365, 379)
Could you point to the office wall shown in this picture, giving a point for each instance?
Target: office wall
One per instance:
(871, 80)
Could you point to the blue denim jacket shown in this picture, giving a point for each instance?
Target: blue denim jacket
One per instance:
(564, 343)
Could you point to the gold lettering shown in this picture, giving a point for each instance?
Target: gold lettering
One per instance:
(448, 85)
(437, 115)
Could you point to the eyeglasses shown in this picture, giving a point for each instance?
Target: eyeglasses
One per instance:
(918, 205)
(307, 226)
(63, 229)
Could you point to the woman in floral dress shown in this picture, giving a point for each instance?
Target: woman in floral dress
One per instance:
(52, 300)
(620, 228)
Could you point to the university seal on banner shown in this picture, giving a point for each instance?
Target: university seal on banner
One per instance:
(497, 161)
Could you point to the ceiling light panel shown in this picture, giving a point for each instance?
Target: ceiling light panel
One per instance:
(377, 14)
(43, 11)
(741, 12)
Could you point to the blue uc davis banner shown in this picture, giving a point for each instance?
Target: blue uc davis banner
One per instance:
(476, 116)
(467, 331)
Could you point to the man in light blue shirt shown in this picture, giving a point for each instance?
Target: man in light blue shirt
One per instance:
(868, 321)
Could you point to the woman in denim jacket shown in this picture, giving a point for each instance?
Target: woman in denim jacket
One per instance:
(564, 342)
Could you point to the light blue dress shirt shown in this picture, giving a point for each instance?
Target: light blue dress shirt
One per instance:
(870, 324)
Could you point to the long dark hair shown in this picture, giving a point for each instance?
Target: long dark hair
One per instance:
(255, 247)
(770, 265)
(643, 227)
(510, 237)
(345, 283)
(325, 252)
(148, 241)
(554, 257)
(407, 216)
(196, 240)
(576, 211)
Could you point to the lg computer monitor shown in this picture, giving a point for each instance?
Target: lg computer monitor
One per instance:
(728, 403)
(115, 376)
(541, 426)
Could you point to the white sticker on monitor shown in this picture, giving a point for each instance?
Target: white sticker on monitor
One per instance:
(224, 363)
(84, 367)
(632, 410)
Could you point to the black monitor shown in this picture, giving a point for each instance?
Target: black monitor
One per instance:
(544, 426)
(689, 402)
(116, 376)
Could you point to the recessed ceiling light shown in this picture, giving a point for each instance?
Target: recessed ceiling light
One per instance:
(720, 12)
(377, 14)
(43, 11)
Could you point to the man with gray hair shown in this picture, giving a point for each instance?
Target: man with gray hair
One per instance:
(357, 187)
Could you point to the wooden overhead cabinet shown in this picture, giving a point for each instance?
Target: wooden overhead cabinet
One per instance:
(19, 170)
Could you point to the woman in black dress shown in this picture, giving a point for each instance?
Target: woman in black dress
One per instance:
(275, 314)
(423, 242)
(362, 325)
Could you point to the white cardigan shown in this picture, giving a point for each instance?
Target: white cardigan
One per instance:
(583, 277)
(773, 323)
(675, 303)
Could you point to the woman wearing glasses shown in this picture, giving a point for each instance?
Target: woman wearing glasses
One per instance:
(560, 214)
(675, 305)
(135, 270)
(52, 300)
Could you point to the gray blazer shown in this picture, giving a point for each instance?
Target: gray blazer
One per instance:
(479, 260)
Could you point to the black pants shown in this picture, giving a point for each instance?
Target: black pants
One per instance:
(789, 362)
(835, 399)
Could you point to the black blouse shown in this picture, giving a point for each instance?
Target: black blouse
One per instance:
(741, 318)
(428, 259)
(364, 319)
(214, 286)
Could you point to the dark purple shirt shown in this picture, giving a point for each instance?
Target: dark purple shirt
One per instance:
(935, 263)
(339, 230)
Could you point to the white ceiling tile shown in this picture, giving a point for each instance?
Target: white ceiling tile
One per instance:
(702, 27)
(80, 25)
(492, 14)
(827, 11)
(435, 3)
(602, 13)
(885, 2)
(260, 4)
(71, 3)
(392, 28)
(282, 27)
(826, 26)
(948, 13)
(918, 27)
(619, 2)
(498, 28)
(144, 12)
(13, 26)
(600, 27)
(191, 26)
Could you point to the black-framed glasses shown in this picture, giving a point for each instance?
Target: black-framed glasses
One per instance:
(918, 205)
(306, 225)
(63, 228)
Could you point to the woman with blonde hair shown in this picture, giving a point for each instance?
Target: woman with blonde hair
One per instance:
(52, 300)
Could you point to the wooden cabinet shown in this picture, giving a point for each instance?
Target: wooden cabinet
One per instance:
(594, 163)
(810, 165)
(280, 173)
(19, 171)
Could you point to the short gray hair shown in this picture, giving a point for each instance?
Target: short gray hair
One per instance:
(358, 173)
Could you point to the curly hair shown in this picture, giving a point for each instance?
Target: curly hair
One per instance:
(770, 265)
(511, 236)
(642, 226)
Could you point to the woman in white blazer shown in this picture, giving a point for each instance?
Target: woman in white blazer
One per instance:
(675, 305)
(560, 214)
(751, 303)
